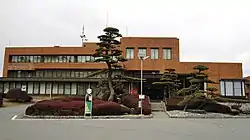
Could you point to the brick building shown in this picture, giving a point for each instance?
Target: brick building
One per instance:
(61, 70)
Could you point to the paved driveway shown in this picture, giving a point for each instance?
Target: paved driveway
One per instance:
(157, 128)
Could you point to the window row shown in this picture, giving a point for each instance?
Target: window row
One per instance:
(52, 59)
(56, 73)
(154, 53)
(49, 87)
(232, 88)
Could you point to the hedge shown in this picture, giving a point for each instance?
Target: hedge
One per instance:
(71, 106)
(131, 101)
(17, 95)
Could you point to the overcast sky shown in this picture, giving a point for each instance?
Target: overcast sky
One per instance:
(209, 30)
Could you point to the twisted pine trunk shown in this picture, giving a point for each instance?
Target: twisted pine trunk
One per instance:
(112, 91)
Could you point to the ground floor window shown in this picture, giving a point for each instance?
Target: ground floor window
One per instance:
(232, 88)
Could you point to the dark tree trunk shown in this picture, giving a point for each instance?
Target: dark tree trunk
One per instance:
(110, 85)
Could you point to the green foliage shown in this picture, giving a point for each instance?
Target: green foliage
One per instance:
(200, 68)
(170, 81)
(196, 79)
(212, 89)
(108, 50)
(192, 97)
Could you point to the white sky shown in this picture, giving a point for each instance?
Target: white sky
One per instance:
(209, 30)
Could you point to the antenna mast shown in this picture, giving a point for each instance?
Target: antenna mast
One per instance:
(83, 37)
(107, 18)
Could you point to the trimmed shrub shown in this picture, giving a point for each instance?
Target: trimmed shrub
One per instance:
(56, 107)
(71, 106)
(109, 108)
(17, 95)
(131, 101)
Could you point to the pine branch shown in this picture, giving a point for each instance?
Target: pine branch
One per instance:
(97, 73)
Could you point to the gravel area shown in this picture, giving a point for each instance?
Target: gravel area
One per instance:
(245, 107)
(182, 114)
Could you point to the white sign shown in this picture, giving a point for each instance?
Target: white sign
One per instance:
(141, 96)
(23, 88)
(89, 90)
(140, 104)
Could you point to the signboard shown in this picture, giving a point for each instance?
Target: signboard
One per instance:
(88, 103)
(140, 104)
(141, 97)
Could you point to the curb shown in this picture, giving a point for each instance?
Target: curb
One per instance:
(93, 117)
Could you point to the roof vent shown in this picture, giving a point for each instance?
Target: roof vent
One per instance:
(57, 46)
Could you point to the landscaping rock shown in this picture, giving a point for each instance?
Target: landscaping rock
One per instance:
(218, 108)
(197, 111)
(245, 108)
(17, 95)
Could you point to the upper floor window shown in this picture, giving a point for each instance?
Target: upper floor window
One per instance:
(130, 53)
(143, 51)
(51, 59)
(154, 53)
(167, 53)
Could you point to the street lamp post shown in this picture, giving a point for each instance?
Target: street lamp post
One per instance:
(142, 57)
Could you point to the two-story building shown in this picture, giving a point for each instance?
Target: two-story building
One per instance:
(61, 70)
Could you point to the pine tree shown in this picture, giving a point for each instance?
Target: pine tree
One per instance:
(170, 82)
(197, 78)
(109, 52)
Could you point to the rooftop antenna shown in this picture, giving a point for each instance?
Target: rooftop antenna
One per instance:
(126, 31)
(9, 43)
(107, 18)
(83, 37)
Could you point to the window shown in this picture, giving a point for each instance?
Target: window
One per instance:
(167, 53)
(79, 59)
(39, 59)
(35, 59)
(154, 53)
(14, 59)
(87, 58)
(60, 59)
(130, 53)
(229, 88)
(54, 59)
(143, 51)
(64, 59)
(27, 59)
(47, 59)
(31, 58)
(18, 73)
(232, 88)
(68, 73)
(21, 59)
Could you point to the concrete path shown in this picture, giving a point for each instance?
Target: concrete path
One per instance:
(162, 129)
(160, 115)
